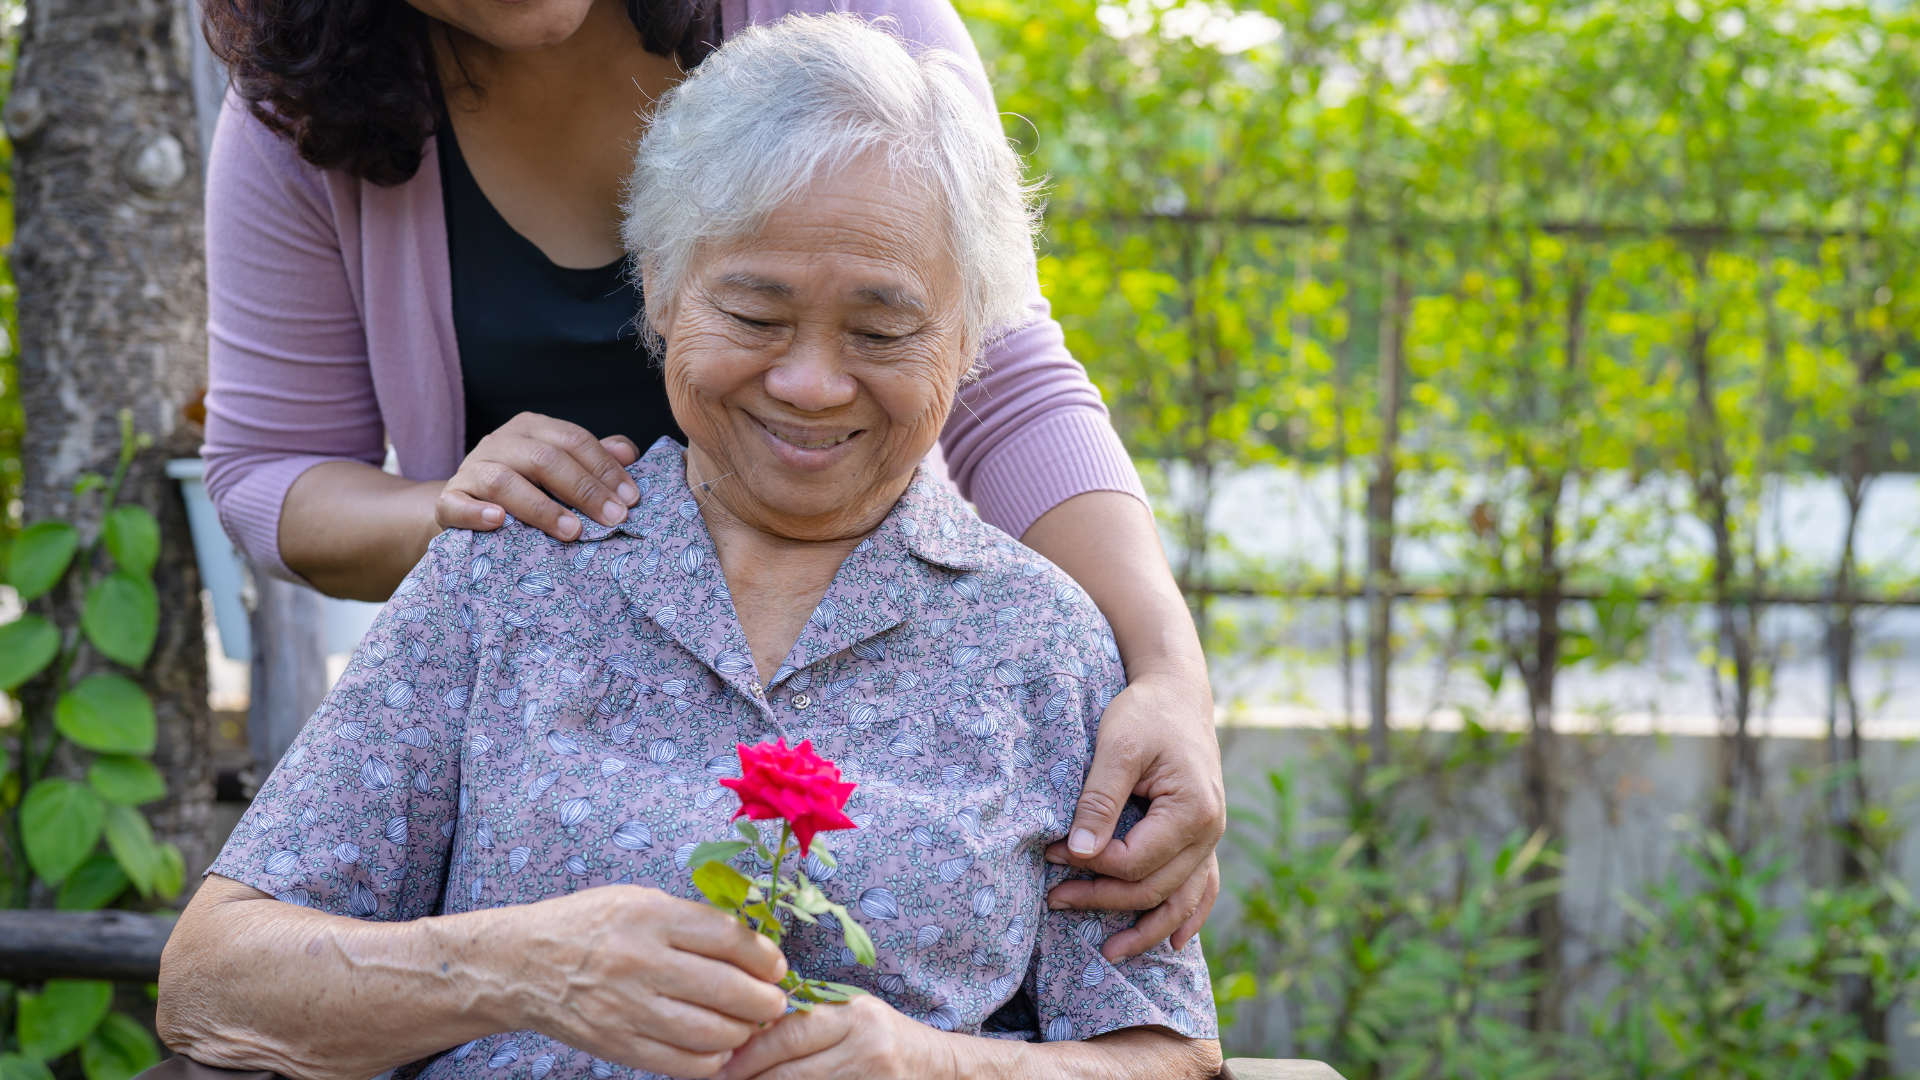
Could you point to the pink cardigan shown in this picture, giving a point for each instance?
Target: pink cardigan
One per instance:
(330, 332)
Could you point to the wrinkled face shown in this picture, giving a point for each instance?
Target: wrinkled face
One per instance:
(512, 25)
(813, 365)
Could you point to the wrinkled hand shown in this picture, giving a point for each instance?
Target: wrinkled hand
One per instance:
(862, 1039)
(507, 471)
(1156, 740)
(635, 976)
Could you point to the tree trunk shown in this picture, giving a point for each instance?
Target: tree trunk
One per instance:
(109, 260)
(1381, 490)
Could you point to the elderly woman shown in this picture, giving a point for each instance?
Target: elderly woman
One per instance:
(473, 858)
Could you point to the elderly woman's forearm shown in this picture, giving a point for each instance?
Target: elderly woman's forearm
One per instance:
(354, 531)
(248, 982)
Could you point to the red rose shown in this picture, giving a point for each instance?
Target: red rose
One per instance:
(779, 781)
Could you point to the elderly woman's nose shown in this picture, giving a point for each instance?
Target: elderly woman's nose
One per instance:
(811, 378)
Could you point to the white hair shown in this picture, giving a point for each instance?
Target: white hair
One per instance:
(780, 105)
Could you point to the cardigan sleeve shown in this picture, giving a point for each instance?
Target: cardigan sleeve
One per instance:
(1031, 432)
(288, 380)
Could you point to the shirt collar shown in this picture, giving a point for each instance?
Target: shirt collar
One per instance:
(930, 521)
(866, 599)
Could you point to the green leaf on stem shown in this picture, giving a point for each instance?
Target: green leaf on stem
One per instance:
(130, 839)
(808, 898)
(60, 821)
(172, 874)
(799, 914)
(107, 713)
(61, 1015)
(119, 1049)
(855, 936)
(715, 851)
(27, 646)
(845, 991)
(97, 882)
(122, 616)
(129, 781)
(41, 554)
(819, 851)
(748, 831)
(722, 885)
(21, 1067)
(769, 923)
(133, 538)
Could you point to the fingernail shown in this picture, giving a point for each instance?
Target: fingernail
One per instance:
(1057, 860)
(492, 515)
(628, 493)
(569, 526)
(613, 513)
(1055, 905)
(1082, 842)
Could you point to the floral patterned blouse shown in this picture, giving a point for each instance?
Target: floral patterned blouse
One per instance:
(529, 717)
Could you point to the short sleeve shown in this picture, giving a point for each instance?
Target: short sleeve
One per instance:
(1077, 993)
(358, 817)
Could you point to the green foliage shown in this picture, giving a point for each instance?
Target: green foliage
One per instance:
(98, 608)
(27, 646)
(97, 882)
(121, 617)
(60, 821)
(1395, 949)
(59, 1017)
(118, 1049)
(40, 557)
(1720, 978)
(107, 713)
(119, 778)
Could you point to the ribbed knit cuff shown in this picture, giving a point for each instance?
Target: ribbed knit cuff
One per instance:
(1048, 463)
(250, 511)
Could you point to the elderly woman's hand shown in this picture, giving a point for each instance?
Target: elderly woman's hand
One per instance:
(868, 1039)
(630, 975)
(519, 465)
(863, 1039)
(645, 979)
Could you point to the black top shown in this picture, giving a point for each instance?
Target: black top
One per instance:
(535, 337)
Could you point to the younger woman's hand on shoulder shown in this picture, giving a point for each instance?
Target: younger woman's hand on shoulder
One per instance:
(527, 464)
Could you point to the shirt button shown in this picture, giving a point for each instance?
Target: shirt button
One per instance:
(801, 701)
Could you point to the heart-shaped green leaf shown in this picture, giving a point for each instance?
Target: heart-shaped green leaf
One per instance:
(61, 1015)
(133, 538)
(27, 646)
(122, 616)
(41, 553)
(119, 1049)
(130, 839)
(107, 713)
(98, 882)
(127, 780)
(60, 821)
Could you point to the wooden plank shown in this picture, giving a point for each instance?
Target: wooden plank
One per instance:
(120, 945)
(1277, 1069)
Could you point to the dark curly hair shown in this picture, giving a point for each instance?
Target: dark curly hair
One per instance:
(348, 80)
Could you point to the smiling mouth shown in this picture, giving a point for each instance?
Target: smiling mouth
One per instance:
(804, 444)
